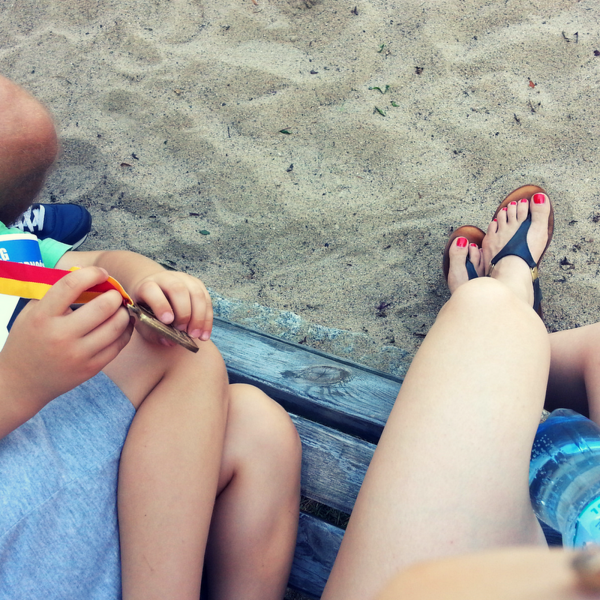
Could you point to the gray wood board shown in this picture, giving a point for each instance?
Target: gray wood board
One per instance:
(333, 464)
(316, 548)
(338, 393)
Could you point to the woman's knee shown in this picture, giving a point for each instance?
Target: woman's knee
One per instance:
(491, 300)
(483, 293)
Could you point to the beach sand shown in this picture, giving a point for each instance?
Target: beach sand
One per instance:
(249, 145)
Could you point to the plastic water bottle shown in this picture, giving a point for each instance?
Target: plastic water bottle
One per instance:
(564, 477)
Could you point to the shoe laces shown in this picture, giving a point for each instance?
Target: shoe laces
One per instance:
(32, 219)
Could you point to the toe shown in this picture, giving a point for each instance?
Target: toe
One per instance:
(522, 209)
(459, 249)
(457, 274)
(541, 212)
(540, 209)
(540, 205)
(511, 212)
(476, 258)
(502, 218)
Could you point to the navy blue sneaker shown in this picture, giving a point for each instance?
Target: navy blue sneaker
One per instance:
(66, 223)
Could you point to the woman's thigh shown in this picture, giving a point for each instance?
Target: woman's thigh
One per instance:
(450, 473)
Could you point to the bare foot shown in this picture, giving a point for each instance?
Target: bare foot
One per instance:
(458, 252)
(513, 270)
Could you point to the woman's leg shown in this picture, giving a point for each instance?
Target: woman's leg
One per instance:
(255, 520)
(574, 380)
(450, 472)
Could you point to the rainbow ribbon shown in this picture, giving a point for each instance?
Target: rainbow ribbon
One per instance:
(28, 281)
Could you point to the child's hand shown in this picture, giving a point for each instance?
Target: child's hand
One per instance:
(51, 349)
(176, 299)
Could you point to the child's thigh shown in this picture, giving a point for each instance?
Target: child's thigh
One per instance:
(141, 366)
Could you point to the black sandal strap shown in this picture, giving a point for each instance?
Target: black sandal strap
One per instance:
(471, 270)
(517, 246)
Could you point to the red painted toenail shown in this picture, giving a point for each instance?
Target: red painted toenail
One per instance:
(505, 208)
(523, 199)
(514, 202)
(539, 198)
(474, 246)
(461, 242)
(495, 220)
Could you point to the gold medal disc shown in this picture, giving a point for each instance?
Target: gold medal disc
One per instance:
(146, 316)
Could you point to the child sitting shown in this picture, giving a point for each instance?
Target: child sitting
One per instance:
(97, 418)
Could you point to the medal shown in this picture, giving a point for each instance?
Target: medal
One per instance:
(146, 316)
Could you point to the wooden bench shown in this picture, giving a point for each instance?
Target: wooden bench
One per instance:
(339, 409)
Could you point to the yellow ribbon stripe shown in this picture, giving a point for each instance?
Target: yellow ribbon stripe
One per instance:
(25, 289)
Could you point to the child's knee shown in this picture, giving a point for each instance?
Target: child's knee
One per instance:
(270, 433)
(207, 364)
(142, 366)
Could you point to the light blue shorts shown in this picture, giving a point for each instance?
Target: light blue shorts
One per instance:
(59, 535)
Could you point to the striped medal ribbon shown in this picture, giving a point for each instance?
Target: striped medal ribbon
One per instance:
(28, 281)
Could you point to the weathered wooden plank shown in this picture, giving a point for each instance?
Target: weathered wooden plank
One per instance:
(344, 395)
(346, 399)
(333, 464)
(316, 548)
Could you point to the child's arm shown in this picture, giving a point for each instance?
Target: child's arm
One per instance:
(175, 298)
(52, 349)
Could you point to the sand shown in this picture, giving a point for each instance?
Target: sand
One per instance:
(173, 118)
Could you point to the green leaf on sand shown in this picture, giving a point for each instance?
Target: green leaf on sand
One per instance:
(284, 131)
(204, 232)
(387, 87)
(380, 111)
(381, 48)
(395, 105)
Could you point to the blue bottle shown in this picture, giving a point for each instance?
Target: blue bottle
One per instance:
(564, 477)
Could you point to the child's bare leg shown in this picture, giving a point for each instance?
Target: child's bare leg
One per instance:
(450, 474)
(169, 466)
(253, 532)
